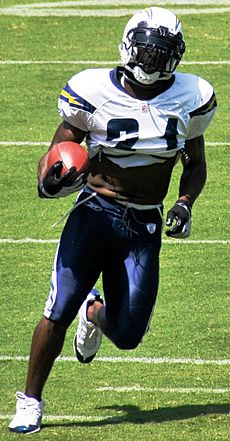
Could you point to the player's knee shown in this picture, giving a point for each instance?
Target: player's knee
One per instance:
(127, 340)
(126, 346)
(127, 332)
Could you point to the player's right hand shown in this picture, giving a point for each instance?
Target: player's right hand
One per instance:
(56, 184)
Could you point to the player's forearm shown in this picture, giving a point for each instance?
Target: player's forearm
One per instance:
(192, 181)
(42, 168)
(65, 132)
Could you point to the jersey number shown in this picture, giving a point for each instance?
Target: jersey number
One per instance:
(129, 128)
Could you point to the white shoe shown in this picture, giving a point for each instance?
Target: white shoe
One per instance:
(88, 338)
(28, 415)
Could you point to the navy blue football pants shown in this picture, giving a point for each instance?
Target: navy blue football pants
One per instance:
(103, 237)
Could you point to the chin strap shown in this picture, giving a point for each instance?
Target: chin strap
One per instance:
(129, 76)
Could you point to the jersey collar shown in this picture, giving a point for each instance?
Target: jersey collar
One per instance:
(117, 72)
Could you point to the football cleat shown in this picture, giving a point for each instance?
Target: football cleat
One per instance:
(28, 415)
(88, 338)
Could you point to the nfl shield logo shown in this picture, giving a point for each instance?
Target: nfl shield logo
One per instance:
(151, 228)
(145, 108)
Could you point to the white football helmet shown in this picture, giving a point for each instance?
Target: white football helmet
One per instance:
(152, 46)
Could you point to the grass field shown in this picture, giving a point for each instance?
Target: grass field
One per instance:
(175, 386)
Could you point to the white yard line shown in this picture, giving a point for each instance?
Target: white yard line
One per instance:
(161, 360)
(61, 12)
(24, 143)
(71, 8)
(121, 2)
(77, 418)
(180, 390)
(103, 63)
(143, 360)
(28, 240)
(46, 143)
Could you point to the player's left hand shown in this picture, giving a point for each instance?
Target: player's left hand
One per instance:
(179, 218)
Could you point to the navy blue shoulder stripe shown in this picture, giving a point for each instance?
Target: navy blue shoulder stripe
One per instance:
(207, 107)
(75, 100)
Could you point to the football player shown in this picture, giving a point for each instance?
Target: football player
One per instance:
(137, 120)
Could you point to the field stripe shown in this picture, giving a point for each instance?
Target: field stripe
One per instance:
(177, 390)
(80, 418)
(25, 143)
(46, 143)
(121, 2)
(71, 8)
(24, 11)
(27, 240)
(163, 360)
(144, 360)
(103, 62)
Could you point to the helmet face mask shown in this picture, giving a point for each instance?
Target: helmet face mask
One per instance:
(151, 50)
(155, 49)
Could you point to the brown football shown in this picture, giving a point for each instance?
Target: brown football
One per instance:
(71, 154)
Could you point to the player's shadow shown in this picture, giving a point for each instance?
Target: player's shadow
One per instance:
(134, 415)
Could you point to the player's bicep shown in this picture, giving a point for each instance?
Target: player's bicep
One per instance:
(67, 132)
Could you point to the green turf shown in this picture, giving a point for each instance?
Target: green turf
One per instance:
(191, 319)
(146, 414)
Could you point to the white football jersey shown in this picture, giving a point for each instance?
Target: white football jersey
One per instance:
(133, 132)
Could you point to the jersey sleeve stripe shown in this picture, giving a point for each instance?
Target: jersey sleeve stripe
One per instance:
(207, 107)
(75, 101)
